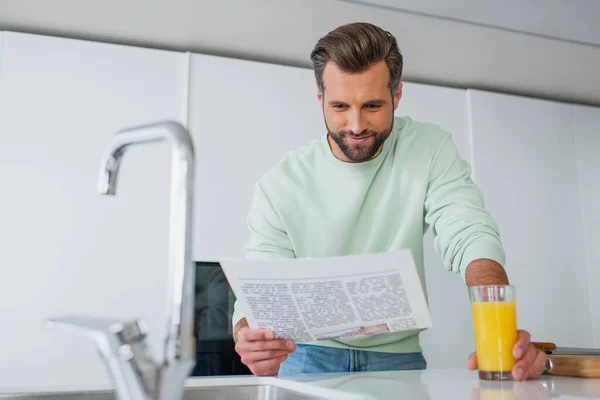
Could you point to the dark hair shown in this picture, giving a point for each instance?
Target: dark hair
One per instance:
(356, 47)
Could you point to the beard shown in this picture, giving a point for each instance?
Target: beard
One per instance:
(360, 152)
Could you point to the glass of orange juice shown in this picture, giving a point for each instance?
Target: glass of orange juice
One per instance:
(494, 314)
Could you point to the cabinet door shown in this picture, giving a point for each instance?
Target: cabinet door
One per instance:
(66, 249)
(586, 121)
(525, 163)
(244, 116)
(450, 340)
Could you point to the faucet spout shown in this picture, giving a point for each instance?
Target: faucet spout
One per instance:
(179, 345)
(136, 376)
(107, 185)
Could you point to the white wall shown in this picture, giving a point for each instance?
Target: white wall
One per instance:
(68, 250)
(586, 122)
(65, 249)
(526, 164)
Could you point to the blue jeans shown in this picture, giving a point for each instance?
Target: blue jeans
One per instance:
(309, 359)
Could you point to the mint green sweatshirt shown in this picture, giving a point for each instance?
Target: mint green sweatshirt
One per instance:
(313, 205)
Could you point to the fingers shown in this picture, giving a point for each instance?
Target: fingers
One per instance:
(255, 356)
(261, 352)
(274, 344)
(538, 366)
(262, 339)
(267, 367)
(531, 365)
(252, 335)
(522, 344)
(472, 362)
(521, 369)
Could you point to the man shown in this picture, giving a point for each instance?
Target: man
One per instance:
(371, 184)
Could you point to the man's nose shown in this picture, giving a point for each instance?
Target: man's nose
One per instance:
(357, 123)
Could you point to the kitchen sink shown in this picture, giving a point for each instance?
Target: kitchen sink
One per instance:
(244, 388)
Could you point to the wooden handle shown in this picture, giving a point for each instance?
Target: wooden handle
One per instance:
(573, 365)
(544, 345)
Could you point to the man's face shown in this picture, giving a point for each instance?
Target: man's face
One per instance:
(358, 111)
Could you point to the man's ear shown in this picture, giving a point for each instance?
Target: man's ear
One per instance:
(398, 96)
(320, 97)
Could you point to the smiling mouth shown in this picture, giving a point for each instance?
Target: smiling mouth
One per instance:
(360, 139)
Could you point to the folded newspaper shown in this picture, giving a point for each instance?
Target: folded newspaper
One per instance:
(309, 299)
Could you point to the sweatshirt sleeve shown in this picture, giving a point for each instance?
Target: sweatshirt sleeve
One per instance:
(454, 207)
(268, 237)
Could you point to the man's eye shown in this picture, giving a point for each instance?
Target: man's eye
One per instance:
(373, 106)
(339, 106)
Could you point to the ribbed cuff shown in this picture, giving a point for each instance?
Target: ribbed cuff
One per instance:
(481, 249)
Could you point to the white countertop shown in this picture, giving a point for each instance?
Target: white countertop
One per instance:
(413, 385)
(452, 384)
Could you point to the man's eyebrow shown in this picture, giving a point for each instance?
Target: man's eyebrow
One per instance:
(372, 101)
(376, 101)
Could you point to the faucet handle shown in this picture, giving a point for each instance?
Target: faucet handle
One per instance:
(123, 347)
(110, 336)
(127, 330)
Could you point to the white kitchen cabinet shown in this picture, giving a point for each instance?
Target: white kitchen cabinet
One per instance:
(66, 249)
(526, 164)
(586, 121)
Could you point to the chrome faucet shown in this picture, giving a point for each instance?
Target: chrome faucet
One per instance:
(122, 344)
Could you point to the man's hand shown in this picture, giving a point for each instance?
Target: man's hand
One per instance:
(259, 350)
(530, 361)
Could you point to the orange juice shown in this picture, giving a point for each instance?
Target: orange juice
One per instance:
(495, 328)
